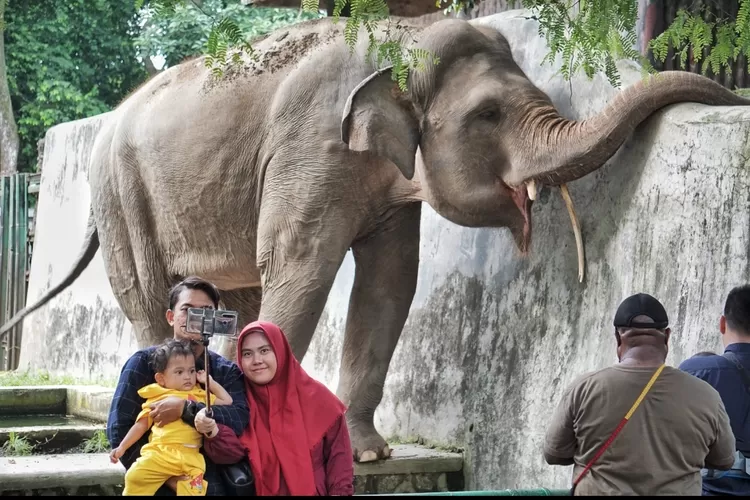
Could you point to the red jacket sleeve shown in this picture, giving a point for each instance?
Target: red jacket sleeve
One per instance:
(225, 448)
(340, 463)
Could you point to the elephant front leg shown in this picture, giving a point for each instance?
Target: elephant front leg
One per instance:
(384, 285)
(298, 269)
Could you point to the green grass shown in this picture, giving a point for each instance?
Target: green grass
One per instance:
(98, 443)
(16, 378)
(16, 446)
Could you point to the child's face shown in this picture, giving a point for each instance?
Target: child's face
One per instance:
(179, 375)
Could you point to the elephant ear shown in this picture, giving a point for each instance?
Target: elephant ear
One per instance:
(380, 118)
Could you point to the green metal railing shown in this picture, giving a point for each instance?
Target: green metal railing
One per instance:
(16, 233)
(538, 492)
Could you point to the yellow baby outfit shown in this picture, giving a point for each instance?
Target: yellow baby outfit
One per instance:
(172, 450)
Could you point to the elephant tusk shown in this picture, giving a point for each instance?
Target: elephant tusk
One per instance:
(531, 189)
(576, 228)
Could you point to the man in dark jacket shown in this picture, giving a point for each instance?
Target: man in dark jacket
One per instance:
(192, 292)
(729, 374)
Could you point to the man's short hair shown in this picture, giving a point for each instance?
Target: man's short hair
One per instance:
(737, 309)
(159, 358)
(194, 283)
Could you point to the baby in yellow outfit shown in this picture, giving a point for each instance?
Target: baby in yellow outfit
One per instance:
(172, 449)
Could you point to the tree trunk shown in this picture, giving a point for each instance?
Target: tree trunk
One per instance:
(8, 131)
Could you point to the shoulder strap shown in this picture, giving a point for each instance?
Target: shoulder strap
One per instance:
(620, 425)
(743, 373)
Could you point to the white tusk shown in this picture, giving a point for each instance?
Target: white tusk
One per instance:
(576, 228)
(531, 188)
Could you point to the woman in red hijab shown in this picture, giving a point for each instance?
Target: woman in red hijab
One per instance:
(297, 441)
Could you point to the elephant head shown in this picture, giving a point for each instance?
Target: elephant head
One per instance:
(487, 136)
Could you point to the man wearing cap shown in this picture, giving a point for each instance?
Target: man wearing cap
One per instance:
(729, 374)
(661, 441)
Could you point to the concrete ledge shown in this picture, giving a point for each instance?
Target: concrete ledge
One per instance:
(410, 469)
(59, 471)
(24, 400)
(91, 402)
(412, 459)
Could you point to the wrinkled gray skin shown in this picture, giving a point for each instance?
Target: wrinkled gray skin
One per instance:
(265, 179)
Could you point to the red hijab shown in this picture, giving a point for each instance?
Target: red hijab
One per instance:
(288, 417)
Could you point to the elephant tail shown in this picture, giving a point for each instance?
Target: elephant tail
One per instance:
(90, 246)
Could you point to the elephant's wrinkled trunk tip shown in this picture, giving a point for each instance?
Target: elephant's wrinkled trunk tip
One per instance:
(576, 229)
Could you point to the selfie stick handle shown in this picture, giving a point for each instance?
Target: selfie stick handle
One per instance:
(207, 364)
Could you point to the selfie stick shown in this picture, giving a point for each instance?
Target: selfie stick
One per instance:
(206, 362)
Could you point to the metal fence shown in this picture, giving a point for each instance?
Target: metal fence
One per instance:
(17, 233)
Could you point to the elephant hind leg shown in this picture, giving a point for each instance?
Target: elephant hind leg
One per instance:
(133, 262)
(246, 301)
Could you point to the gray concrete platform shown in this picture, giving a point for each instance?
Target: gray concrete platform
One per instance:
(410, 468)
(59, 471)
(412, 459)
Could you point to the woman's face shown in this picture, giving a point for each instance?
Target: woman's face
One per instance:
(258, 359)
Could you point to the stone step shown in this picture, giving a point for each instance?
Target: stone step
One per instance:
(90, 402)
(69, 471)
(32, 400)
(52, 438)
(411, 468)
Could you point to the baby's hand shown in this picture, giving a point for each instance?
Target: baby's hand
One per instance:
(201, 376)
(114, 455)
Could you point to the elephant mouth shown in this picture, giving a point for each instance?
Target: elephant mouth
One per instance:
(523, 202)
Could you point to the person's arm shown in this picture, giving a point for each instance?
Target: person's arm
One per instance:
(340, 464)
(235, 416)
(139, 429)
(721, 451)
(223, 446)
(216, 389)
(560, 439)
(126, 405)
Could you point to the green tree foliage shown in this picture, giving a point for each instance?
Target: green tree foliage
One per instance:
(715, 42)
(590, 38)
(67, 59)
(178, 30)
(588, 35)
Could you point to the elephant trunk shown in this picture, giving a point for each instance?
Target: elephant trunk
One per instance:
(567, 150)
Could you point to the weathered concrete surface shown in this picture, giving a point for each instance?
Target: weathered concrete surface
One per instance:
(23, 400)
(492, 339)
(419, 470)
(90, 402)
(59, 471)
(81, 331)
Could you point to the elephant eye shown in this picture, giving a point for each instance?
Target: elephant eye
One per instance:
(490, 114)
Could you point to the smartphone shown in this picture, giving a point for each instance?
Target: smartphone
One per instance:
(211, 321)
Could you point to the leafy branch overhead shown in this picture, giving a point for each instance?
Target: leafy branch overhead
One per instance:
(716, 42)
(587, 35)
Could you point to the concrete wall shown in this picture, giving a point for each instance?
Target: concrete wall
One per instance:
(492, 339)
(82, 331)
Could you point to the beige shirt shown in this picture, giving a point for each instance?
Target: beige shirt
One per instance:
(679, 426)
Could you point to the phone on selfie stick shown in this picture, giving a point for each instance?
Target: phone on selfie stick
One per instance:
(210, 322)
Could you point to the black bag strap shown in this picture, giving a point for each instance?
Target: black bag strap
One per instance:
(743, 373)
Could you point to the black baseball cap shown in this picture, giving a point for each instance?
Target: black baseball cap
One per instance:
(641, 304)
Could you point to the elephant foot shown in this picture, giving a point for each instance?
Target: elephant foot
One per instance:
(367, 444)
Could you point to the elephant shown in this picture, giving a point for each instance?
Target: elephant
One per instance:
(262, 179)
